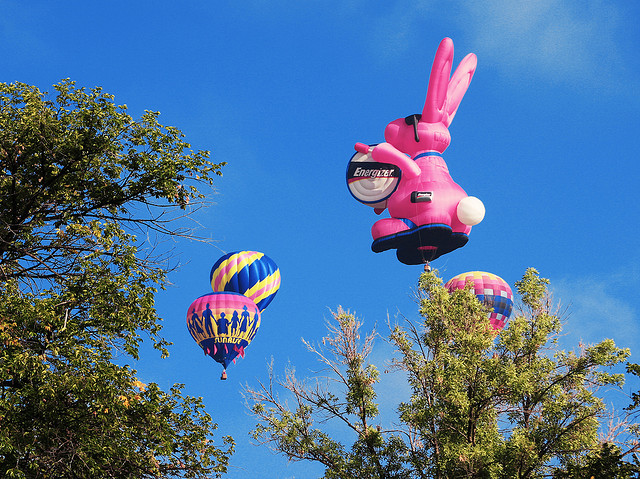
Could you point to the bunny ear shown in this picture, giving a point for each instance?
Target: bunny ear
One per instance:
(438, 83)
(458, 87)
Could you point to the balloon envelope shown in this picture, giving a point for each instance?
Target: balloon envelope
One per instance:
(250, 273)
(223, 324)
(491, 290)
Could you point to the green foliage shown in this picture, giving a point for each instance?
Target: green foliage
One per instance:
(607, 461)
(77, 166)
(481, 404)
(80, 177)
(296, 431)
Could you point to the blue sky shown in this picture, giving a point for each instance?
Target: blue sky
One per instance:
(546, 137)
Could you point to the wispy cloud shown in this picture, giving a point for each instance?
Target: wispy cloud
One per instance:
(586, 45)
(598, 308)
(564, 41)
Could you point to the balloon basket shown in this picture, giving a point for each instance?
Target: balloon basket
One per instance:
(224, 375)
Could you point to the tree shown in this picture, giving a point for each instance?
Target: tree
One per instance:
(480, 404)
(82, 182)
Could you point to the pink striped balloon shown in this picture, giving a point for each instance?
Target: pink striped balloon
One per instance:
(491, 290)
(223, 324)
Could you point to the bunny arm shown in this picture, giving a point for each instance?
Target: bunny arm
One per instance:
(387, 153)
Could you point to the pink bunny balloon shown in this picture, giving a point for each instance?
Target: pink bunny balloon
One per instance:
(430, 214)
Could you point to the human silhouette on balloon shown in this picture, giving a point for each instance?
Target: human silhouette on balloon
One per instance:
(223, 324)
(235, 323)
(254, 326)
(245, 317)
(207, 316)
(194, 324)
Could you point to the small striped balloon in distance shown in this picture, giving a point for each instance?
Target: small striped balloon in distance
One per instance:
(250, 273)
(491, 290)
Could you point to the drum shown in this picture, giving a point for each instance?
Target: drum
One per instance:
(370, 182)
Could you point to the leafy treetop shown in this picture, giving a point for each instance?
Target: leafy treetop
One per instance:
(80, 178)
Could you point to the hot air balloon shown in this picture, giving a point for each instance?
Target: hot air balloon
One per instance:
(431, 214)
(250, 273)
(491, 290)
(223, 324)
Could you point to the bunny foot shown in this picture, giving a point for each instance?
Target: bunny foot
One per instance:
(389, 227)
(417, 244)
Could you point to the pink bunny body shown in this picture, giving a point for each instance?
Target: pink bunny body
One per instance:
(430, 214)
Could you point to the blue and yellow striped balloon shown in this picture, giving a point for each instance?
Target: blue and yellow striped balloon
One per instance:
(250, 273)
